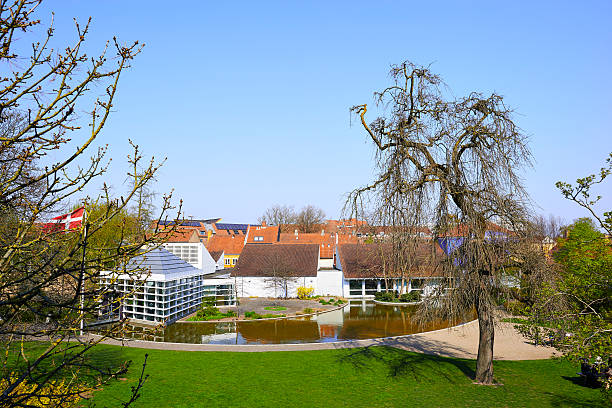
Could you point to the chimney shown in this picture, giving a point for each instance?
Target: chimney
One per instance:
(263, 223)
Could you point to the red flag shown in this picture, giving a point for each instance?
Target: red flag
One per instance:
(65, 222)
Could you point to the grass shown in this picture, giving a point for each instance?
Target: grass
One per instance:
(275, 308)
(257, 316)
(367, 377)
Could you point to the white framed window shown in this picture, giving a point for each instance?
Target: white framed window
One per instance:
(258, 238)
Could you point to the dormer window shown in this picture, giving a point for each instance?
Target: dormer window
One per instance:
(258, 238)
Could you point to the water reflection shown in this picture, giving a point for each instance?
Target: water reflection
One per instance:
(358, 320)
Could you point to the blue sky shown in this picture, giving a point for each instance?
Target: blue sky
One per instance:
(249, 101)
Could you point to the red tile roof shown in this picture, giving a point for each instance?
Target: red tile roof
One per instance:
(230, 244)
(268, 234)
(366, 260)
(326, 242)
(290, 259)
(180, 235)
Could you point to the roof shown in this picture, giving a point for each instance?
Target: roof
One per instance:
(326, 242)
(162, 265)
(230, 244)
(180, 235)
(231, 228)
(286, 259)
(216, 255)
(268, 234)
(366, 260)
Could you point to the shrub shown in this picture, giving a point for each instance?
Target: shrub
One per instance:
(275, 308)
(413, 296)
(385, 296)
(52, 393)
(517, 308)
(307, 310)
(305, 292)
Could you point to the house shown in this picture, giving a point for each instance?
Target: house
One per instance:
(218, 257)
(159, 287)
(368, 268)
(230, 245)
(230, 228)
(263, 234)
(276, 270)
(325, 242)
(204, 227)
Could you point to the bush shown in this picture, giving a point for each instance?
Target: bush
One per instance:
(307, 310)
(412, 296)
(517, 308)
(305, 292)
(385, 296)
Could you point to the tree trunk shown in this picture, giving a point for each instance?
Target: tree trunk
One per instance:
(484, 361)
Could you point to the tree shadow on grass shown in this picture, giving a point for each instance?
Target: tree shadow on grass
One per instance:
(558, 400)
(433, 360)
(401, 363)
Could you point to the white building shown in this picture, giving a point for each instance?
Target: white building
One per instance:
(164, 288)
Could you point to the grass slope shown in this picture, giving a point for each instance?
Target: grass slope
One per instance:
(376, 376)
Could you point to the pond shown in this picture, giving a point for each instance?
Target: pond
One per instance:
(360, 319)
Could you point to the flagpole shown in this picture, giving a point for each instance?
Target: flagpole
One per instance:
(82, 276)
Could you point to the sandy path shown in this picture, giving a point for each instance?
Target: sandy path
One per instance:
(461, 342)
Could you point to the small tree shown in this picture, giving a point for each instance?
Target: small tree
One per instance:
(576, 301)
(49, 281)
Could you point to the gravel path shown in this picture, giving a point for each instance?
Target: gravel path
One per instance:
(459, 342)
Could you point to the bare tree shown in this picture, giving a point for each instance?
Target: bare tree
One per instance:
(460, 159)
(278, 215)
(49, 280)
(309, 217)
(281, 275)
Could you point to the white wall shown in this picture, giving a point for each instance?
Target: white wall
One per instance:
(325, 263)
(262, 287)
(194, 253)
(329, 282)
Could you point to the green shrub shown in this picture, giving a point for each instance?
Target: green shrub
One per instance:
(412, 296)
(517, 308)
(307, 310)
(385, 296)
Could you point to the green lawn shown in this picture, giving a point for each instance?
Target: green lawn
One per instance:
(371, 377)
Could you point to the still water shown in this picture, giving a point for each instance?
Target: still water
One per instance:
(358, 320)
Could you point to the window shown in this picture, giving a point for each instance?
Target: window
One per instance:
(234, 261)
(258, 238)
(227, 261)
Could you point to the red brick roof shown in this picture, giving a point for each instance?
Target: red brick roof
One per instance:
(326, 242)
(230, 244)
(268, 234)
(267, 260)
(180, 235)
(366, 260)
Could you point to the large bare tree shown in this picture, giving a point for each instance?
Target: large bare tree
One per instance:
(309, 217)
(49, 279)
(278, 215)
(460, 160)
